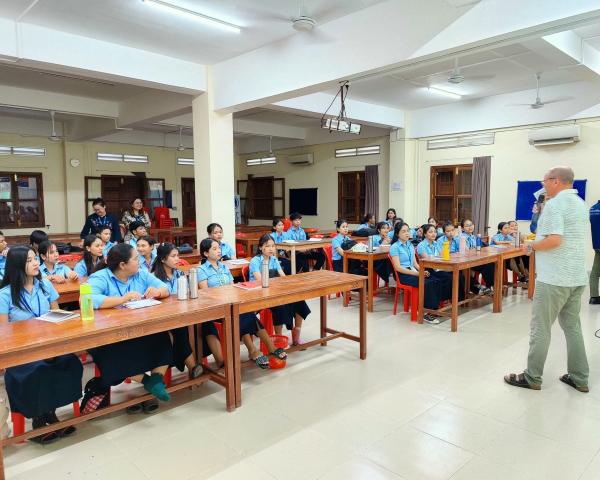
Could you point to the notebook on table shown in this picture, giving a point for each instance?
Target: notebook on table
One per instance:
(248, 285)
(57, 316)
(143, 303)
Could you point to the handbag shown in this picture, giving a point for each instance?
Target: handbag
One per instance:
(347, 244)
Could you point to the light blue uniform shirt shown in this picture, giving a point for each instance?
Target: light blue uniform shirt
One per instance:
(297, 234)
(215, 277)
(34, 304)
(471, 240)
(107, 248)
(406, 253)
(256, 262)
(226, 250)
(2, 266)
(454, 243)
(363, 226)
(105, 284)
(172, 284)
(133, 242)
(391, 234)
(390, 223)
(59, 269)
(430, 249)
(279, 237)
(144, 265)
(335, 243)
(377, 240)
(501, 238)
(80, 268)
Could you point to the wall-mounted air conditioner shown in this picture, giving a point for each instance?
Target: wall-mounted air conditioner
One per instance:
(303, 159)
(561, 135)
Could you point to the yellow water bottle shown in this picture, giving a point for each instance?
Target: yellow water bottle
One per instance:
(86, 305)
(446, 250)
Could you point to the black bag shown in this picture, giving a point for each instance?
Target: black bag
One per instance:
(63, 248)
(365, 232)
(185, 248)
(347, 244)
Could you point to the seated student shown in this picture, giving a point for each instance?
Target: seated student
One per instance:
(368, 222)
(342, 242)
(390, 217)
(405, 263)
(433, 221)
(296, 232)
(138, 230)
(215, 231)
(50, 268)
(38, 388)
(519, 264)
(503, 237)
(392, 230)
(165, 269)
(487, 270)
(382, 267)
(429, 247)
(450, 235)
(416, 235)
(282, 314)
(37, 237)
(214, 273)
(3, 253)
(147, 252)
(278, 237)
(92, 257)
(104, 233)
(123, 281)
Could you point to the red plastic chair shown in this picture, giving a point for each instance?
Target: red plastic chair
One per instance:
(182, 262)
(287, 223)
(327, 250)
(411, 295)
(265, 315)
(239, 250)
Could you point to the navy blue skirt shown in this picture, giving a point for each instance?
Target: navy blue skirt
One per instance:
(181, 347)
(41, 387)
(121, 360)
(285, 314)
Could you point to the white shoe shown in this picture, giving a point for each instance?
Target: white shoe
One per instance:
(431, 319)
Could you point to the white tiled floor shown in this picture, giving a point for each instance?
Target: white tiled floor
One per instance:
(426, 404)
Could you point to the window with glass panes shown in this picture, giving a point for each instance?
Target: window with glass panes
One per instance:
(21, 200)
(351, 196)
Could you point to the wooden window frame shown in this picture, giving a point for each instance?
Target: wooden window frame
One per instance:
(455, 197)
(16, 201)
(273, 198)
(360, 182)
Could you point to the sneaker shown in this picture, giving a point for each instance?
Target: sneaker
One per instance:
(485, 291)
(594, 300)
(431, 319)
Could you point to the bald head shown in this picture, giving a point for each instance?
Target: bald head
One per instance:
(564, 175)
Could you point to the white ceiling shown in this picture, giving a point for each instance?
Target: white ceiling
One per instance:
(501, 70)
(135, 24)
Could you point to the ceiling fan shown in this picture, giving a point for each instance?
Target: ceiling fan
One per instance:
(53, 136)
(456, 77)
(180, 146)
(303, 22)
(538, 99)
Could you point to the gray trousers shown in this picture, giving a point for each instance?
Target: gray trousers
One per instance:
(550, 302)
(595, 275)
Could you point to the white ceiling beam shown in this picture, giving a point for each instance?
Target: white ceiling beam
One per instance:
(151, 107)
(577, 48)
(384, 37)
(55, 51)
(266, 129)
(90, 128)
(315, 104)
(42, 100)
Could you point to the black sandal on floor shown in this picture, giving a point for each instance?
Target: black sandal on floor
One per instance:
(279, 353)
(519, 380)
(46, 438)
(63, 432)
(566, 378)
(150, 406)
(262, 361)
(133, 409)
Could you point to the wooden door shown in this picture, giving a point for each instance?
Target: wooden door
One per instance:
(450, 193)
(119, 191)
(351, 196)
(188, 201)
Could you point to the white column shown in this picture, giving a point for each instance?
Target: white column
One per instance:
(403, 176)
(213, 165)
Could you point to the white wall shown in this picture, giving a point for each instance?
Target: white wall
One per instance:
(323, 174)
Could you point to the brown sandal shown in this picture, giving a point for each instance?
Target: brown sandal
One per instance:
(566, 378)
(519, 380)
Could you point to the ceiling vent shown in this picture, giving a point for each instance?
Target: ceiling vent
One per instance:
(564, 134)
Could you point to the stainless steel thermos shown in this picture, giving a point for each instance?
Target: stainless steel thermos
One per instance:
(182, 288)
(264, 274)
(193, 283)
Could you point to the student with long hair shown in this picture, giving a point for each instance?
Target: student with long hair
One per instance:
(278, 237)
(487, 270)
(214, 273)
(99, 218)
(382, 267)
(135, 213)
(50, 268)
(104, 233)
(38, 388)
(368, 222)
(390, 217)
(123, 281)
(215, 231)
(165, 269)
(35, 238)
(282, 314)
(92, 260)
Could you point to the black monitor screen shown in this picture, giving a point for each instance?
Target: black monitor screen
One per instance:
(303, 200)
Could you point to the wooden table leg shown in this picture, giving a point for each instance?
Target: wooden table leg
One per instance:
(421, 295)
(235, 354)
(467, 274)
(323, 319)
(363, 324)
(498, 273)
(531, 286)
(455, 287)
(230, 359)
(347, 293)
(370, 282)
(293, 259)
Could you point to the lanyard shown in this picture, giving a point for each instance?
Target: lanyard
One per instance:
(29, 308)
(119, 288)
(101, 221)
(406, 246)
(220, 275)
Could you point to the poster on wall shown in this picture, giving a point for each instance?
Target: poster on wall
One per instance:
(526, 198)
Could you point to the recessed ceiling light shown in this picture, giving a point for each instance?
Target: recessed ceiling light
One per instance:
(214, 22)
(444, 93)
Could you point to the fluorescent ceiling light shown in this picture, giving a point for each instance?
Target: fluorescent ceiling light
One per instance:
(214, 22)
(445, 93)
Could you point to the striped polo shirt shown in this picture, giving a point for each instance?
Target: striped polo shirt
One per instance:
(565, 215)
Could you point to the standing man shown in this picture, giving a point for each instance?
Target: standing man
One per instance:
(595, 273)
(561, 278)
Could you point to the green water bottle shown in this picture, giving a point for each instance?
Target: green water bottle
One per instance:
(86, 306)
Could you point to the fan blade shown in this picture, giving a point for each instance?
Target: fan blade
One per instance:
(318, 36)
(478, 77)
(518, 105)
(557, 100)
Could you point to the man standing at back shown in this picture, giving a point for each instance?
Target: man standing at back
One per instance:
(561, 278)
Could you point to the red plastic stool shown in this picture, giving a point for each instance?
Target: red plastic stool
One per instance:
(266, 318)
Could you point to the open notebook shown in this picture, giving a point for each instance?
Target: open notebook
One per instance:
(57, 316)
(143, 303)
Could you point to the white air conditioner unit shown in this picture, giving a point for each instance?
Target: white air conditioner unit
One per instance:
(554, 135)
(303, 159)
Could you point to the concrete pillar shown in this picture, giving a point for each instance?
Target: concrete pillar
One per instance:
(403, 176)
(213, 165)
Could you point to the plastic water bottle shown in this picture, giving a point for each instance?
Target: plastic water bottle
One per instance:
(193, 283)
(446, 250)
(478, 244)
(462, 242)
(264, 274)
(86, 305)
(182, 288)
(517, 238)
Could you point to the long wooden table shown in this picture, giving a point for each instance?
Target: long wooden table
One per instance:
(28, 341)
(301, 246)
(174, 234)
(370, 258)
(293, 288)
